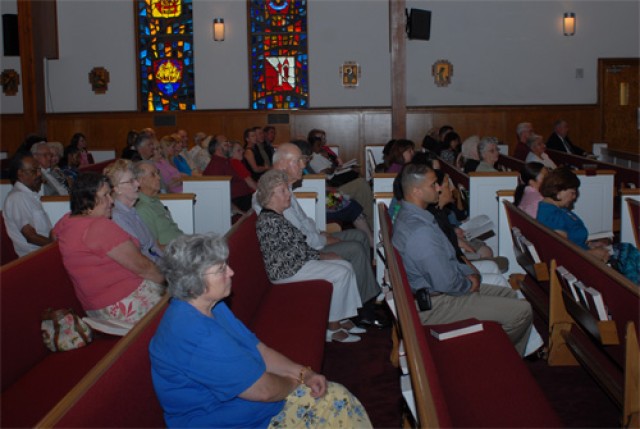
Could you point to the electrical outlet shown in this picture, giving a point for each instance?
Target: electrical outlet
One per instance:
(579, 73)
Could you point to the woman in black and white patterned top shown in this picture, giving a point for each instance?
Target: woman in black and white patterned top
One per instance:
(288, 258)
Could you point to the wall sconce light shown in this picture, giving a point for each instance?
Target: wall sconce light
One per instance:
(218, 29)
(569, 23)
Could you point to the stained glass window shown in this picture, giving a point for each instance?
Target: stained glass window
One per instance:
(165, 54)
(278, 57)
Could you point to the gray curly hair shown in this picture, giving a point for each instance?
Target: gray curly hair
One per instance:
(267, 183)
(186, 259)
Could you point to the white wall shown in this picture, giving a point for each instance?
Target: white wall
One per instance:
(503, 52)
(93, 33)
(221, 68)
(514, 52)
(340, 31)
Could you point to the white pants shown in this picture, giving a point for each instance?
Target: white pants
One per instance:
(345, 299)
(491, 275)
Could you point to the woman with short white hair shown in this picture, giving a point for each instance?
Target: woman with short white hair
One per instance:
(288, 258)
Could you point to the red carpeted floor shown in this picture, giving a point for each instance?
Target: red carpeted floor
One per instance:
(364, 368)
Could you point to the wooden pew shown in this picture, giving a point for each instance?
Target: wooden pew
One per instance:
(621, 296)
(213, 202)
(578, 336)
(482, 188)
(5, 188)
(117, 391)
(450, 393)
(98, 167)
(630, 216)
(7, 252)
(511, 163)
(103, 155)
(385, 198)
(372, 157)
(623, 176)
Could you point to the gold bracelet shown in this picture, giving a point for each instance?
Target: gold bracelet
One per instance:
(303, 370)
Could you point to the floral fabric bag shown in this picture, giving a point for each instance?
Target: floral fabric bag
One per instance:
(63, 330)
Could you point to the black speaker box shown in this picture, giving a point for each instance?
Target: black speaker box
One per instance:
(10, 35)
(419, 24)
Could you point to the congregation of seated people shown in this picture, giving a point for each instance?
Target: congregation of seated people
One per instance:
(123, 251)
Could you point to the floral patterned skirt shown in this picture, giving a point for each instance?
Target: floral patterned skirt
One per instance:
(338, 408)
(133, 307)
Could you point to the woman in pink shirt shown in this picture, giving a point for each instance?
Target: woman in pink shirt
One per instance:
(171, 176)
(527, 196)
(111, 278)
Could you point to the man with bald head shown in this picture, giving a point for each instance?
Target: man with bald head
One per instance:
(351, 244)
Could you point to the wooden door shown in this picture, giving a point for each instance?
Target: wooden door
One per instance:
(619, 91)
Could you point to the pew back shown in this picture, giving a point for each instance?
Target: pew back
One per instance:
(26, 279)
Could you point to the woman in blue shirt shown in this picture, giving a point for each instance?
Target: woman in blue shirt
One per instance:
(209, 370)
(560, 190)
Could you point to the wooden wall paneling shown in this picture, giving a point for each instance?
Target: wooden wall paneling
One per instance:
(12, 132)
(342, 128)
(351, 129)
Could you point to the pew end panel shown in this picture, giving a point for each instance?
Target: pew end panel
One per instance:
(212, 211)
(631, 407)
(307, 201)
(317, 183)
(182, 209)
(483, 188)
(55, 207)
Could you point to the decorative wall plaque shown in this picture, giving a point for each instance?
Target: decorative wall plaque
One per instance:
(10, 80)
(442, 70)
(99, 80)
(350, 72)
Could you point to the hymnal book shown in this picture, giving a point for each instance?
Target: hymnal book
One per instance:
(349, 164)
(600, 235)
(531, 250)
(112, 327)
(517, 238)
(318, 163)
(456, 329)
(477, 226)
(568, 280)
(596, 303)
(582, 294)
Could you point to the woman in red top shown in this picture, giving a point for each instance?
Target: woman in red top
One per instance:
(111, 278)
(237, 158)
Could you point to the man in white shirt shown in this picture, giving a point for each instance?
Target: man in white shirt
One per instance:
(52, 186)
(26, 221)
(351, 245)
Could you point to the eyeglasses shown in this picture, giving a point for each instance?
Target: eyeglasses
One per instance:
(220, 271)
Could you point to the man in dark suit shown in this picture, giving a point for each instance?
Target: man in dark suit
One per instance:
(559, 139)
